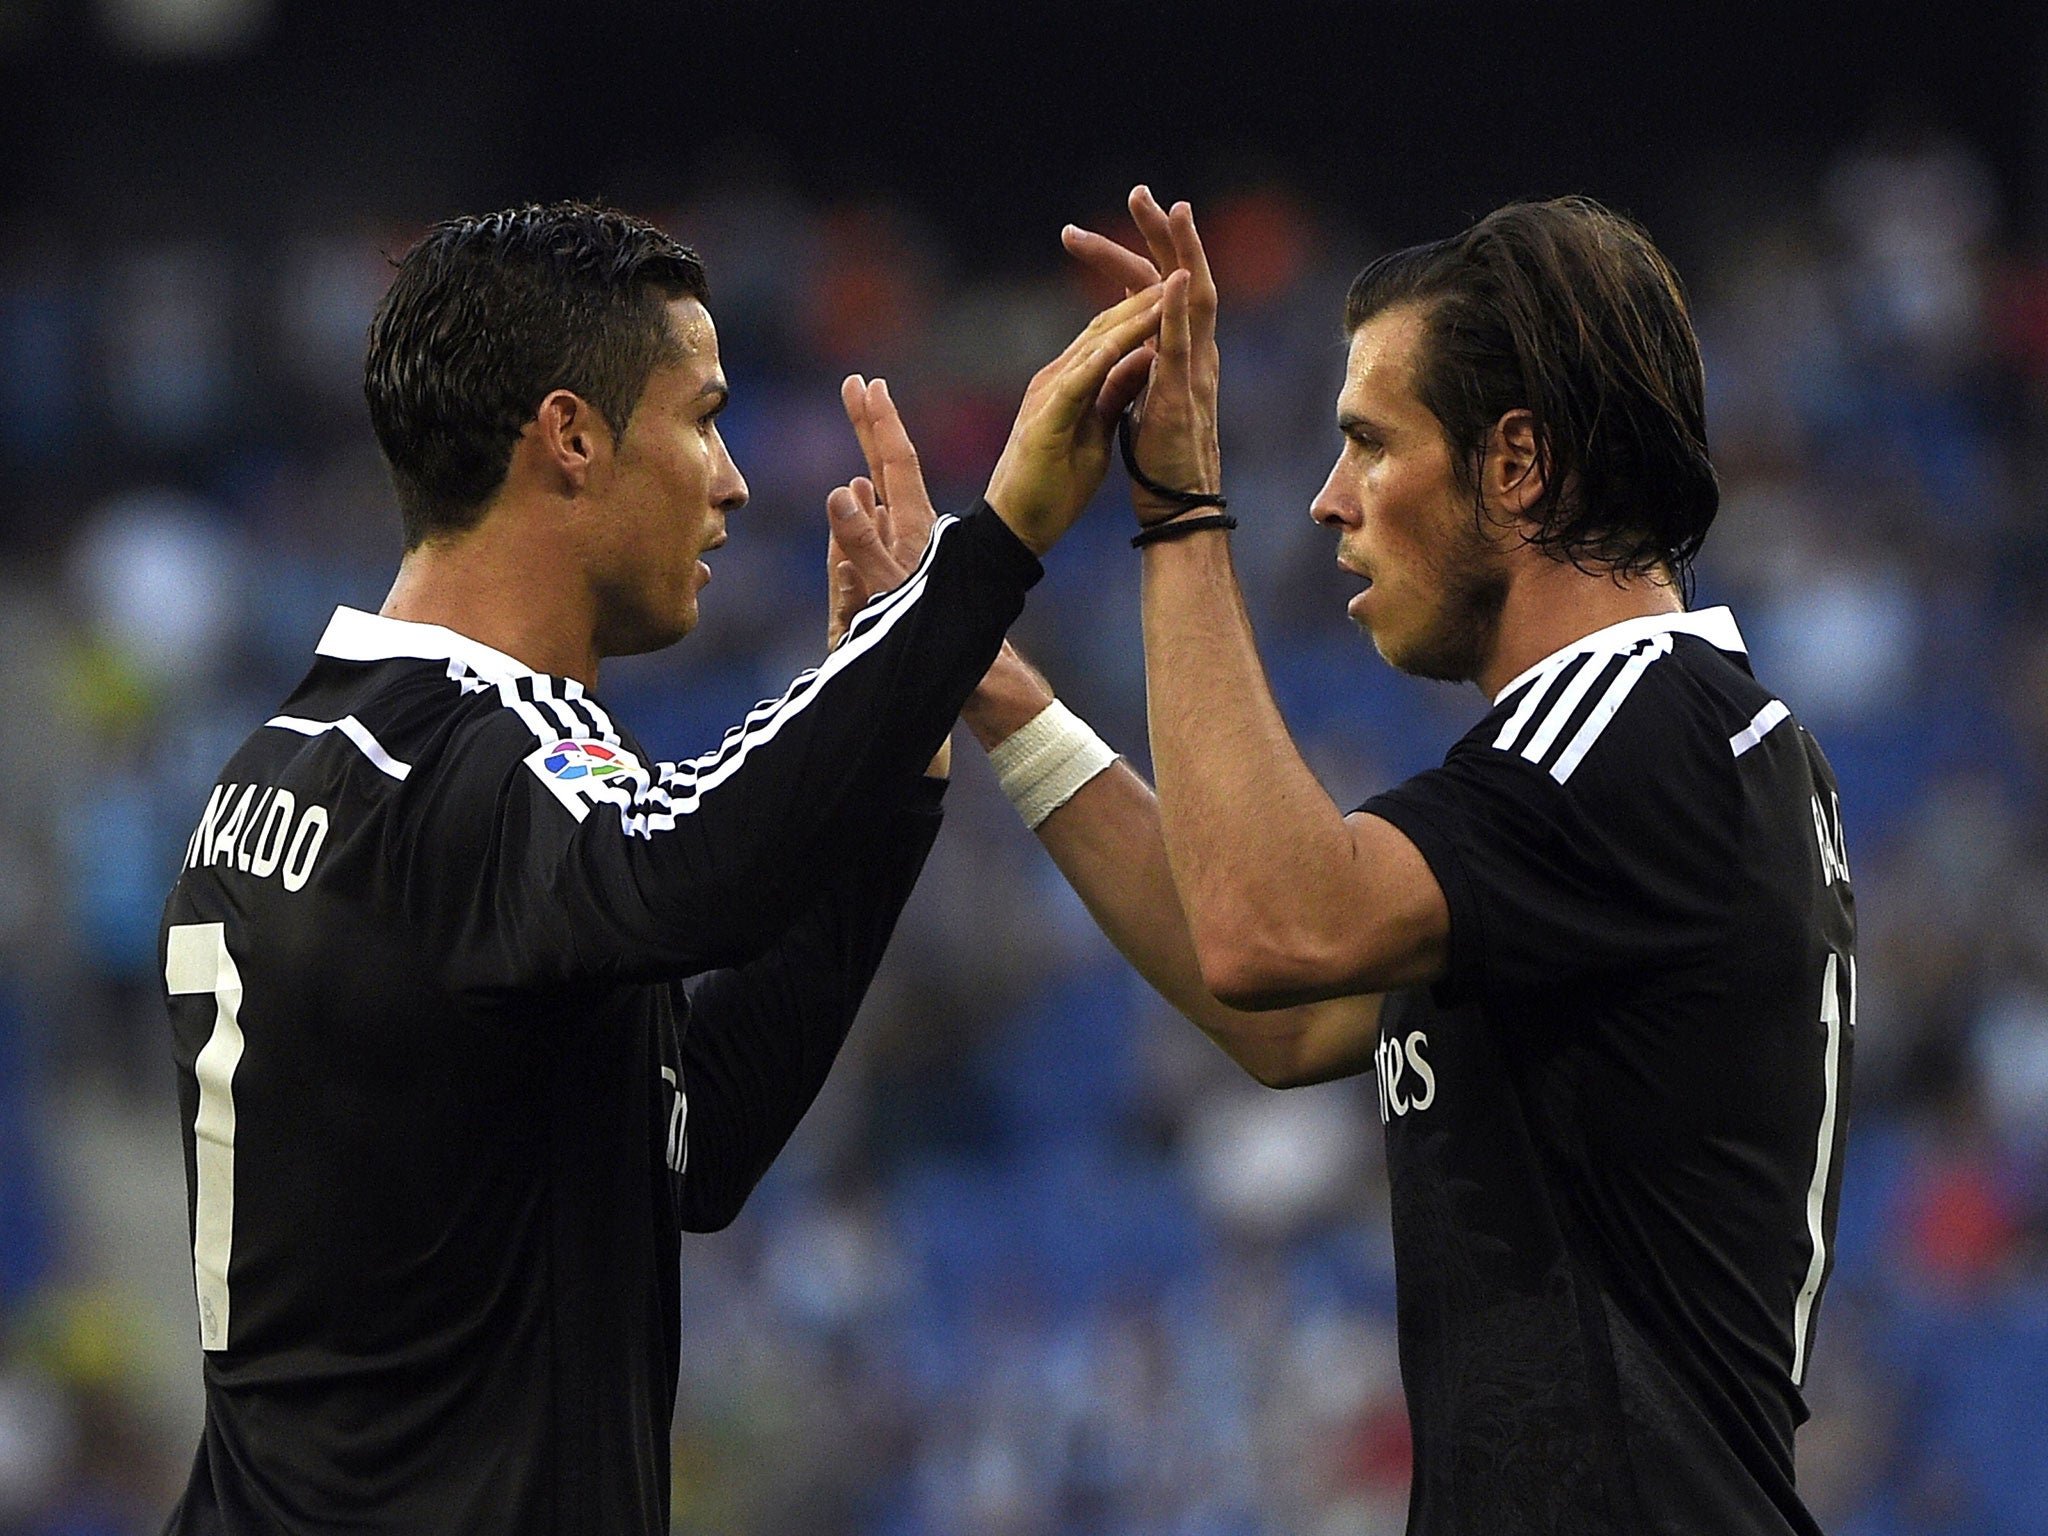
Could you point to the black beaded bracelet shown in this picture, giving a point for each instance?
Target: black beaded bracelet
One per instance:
(1160, 533)
(1183, 501)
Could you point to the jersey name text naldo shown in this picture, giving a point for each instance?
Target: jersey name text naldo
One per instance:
(259, 828)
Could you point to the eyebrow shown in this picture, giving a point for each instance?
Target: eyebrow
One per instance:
(715, 386)
(1350, 423)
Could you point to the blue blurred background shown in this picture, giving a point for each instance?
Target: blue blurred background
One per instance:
(1040, 1261)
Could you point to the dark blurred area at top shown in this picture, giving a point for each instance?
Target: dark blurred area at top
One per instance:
(1412, 116)
(242, 123)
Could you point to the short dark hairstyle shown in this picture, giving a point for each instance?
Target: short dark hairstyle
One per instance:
(488, 315)
(1567, 310)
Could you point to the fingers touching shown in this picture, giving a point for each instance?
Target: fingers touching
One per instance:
(1086, 366)
(1187, 245)
(900, 478)
(1154, 226)
(1125, 383)
(1116, 262)
(895, 500)
(859, 530)
(1175, 342)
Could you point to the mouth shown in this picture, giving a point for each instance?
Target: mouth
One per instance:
(1356, 607)
(703, 566)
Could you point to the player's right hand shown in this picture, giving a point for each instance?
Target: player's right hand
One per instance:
(1059, 445)
(1176, 441)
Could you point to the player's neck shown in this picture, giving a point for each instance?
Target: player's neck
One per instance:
(505, 585)
(1551, 603)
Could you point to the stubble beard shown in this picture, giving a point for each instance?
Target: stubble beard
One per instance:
(1471, 584)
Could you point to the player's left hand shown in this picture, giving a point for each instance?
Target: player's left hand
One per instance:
(1175, 416)
(880, 521)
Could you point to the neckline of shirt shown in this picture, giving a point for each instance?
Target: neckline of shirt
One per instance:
(1716, 626)
(353, 635)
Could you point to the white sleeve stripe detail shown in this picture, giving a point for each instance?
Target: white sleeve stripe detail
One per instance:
(587, 719)
(509, 696)
(647, 806)
(575, 721)
(355, 731)
(878, 608)
(850, 649)
(1609, 705)
(1527, 708)
(564, 716)
(591, 707)
(1568, 701)
(1771, 716)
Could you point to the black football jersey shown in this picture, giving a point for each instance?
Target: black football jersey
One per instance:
(1614, 1128)
(475, 1009)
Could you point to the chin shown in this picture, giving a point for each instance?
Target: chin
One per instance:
(652, 632)
(1448, 654)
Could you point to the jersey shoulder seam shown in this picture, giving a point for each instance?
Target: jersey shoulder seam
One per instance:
(1571, 705)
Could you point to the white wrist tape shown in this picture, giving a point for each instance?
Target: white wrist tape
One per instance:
(1041, 765)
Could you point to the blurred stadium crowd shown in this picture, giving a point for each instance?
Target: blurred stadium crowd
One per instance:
(1042, 1262)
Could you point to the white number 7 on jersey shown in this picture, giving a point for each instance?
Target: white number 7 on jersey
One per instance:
(197, 960)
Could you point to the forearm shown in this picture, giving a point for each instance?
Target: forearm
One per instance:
(1106, 841)
(762, 1037)
(1259, 851)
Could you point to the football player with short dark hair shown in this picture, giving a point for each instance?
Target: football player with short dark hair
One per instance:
(475, 1007)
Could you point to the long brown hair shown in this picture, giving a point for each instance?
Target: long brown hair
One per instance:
(1566, 310)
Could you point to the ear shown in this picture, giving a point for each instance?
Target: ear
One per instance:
(1512, 476)
(567, 443)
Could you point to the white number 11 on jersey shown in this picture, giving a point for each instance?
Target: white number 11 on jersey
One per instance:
(197, 960)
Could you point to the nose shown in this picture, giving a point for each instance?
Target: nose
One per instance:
(728, 486)
(1335, 506)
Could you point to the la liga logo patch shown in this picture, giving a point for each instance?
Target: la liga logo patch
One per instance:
(567, 760)
(580, 772)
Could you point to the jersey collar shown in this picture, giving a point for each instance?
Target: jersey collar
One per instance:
(353, 635)
(1716, 626)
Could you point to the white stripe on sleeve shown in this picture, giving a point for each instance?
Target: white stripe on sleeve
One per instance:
(1767, 719)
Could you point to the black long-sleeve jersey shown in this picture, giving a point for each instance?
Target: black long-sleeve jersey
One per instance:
(450, 1093)
(1614, 1129)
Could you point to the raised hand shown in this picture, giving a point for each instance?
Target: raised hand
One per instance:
(860, 557)
(1059, 449)
(883, 521)
(1175, 441)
